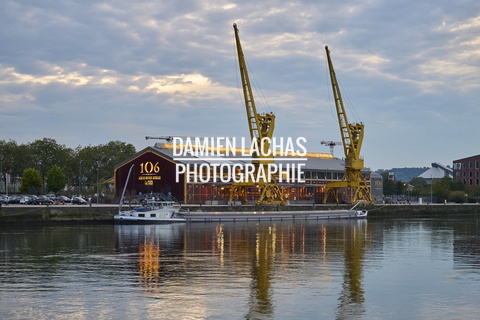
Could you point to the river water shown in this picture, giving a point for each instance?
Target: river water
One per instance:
(365, 269)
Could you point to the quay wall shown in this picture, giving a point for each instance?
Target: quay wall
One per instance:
(105, 213)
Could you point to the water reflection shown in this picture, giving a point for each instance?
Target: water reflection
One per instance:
(376, 269)
(259, 252)
(153, 244)
(352, 296)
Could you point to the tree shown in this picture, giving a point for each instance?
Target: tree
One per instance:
(31, 181)
(98, 162)
(56, 179)
(47, 152)
(441, 189)
(419, 181)
(457, 196)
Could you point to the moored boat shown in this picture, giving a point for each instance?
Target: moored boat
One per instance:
(257, 216)
(151, 211)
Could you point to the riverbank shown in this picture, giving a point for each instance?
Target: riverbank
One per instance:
(105, 213)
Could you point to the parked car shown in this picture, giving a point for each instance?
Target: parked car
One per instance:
(24, 199)
(79, 200)
(63, 198)
(15, 199)
(50, 196)
(3, 199)
(40, 200)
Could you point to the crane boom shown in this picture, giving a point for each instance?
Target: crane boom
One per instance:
(261, 126)
(352, 138)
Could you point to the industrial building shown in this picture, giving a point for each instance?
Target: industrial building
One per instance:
(437, 172)
(156, 170)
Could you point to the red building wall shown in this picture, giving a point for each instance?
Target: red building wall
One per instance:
(150, 173)
(467, 170)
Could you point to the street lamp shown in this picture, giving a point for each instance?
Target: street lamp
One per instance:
(431, 189)
(80, 180)
(98, 193)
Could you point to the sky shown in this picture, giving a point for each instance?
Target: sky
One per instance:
(90, 72)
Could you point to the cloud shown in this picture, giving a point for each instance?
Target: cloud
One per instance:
(126, 69)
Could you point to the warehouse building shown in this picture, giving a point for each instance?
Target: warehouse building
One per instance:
(159, 170)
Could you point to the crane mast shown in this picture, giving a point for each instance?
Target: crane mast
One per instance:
(352, 138)
(261, 126)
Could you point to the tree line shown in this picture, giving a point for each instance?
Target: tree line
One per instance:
(445, 189)
(44, 162)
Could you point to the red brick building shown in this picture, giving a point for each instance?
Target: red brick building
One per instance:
(152, 172)
(467, 170)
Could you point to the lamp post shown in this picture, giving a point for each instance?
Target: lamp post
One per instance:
(98, 193)
(431, 189)
(80, 180)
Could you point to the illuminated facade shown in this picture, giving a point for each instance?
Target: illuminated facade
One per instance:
(155, 170)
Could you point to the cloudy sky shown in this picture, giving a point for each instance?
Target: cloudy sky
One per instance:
(89, 72)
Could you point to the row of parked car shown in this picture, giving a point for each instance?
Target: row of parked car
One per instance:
(43, 200)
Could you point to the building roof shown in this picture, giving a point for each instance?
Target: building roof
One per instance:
(468, 158)
(437, 171)
(312, 161)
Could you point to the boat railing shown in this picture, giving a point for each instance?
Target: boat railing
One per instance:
(157, 195)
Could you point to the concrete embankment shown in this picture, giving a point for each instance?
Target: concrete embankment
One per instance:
(105, 213)
(20, 214)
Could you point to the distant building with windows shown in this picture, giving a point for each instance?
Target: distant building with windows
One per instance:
(467, 170)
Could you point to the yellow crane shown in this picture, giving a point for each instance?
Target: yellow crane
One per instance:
(261, 128)
(352, 138)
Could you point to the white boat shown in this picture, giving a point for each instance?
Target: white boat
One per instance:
(151, 211)
(359, 213)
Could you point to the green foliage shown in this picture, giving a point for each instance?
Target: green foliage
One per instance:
(56, 179)
(83, 164)
(474, 192)
(457, 197)
(31, 181)
(418, 181)
(391, 187)
(443, 189)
